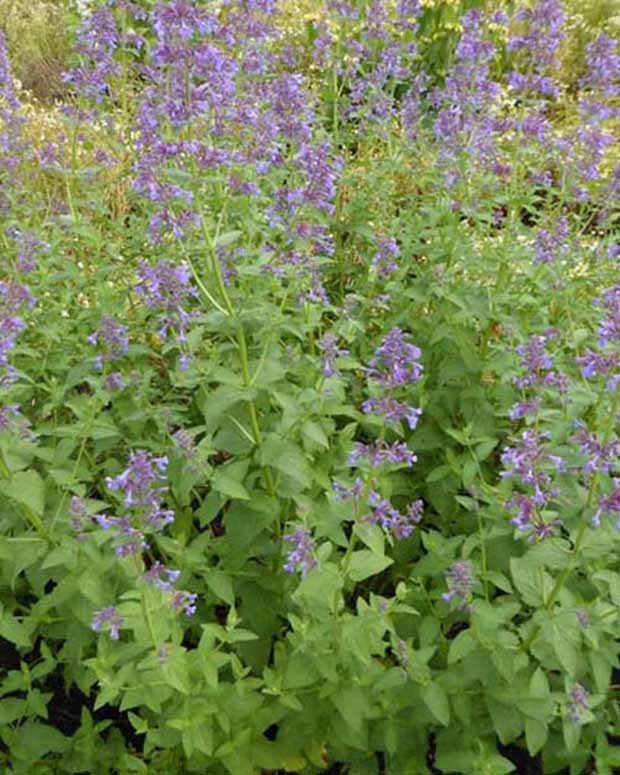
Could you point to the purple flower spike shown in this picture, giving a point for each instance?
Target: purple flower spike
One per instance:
(460, 585)
(300, 558)
(578, 703)
(396, 361)
(108, 616)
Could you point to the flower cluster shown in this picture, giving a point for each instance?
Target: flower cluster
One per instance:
(606, 361)
(110, 619)
(578, 704)
(301, 557)
(396, 361)
(460, 584)
(166, 287)
(531, 465)
(112, 337)
(391, 519)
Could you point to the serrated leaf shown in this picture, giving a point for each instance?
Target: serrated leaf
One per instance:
(226, 484)
(27, 488)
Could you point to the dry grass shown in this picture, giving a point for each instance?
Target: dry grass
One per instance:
(38, 37)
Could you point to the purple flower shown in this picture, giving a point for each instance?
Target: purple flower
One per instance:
(609, 504)
(112, 337)
(114, 381)
(601, 456)
(391, 520)
(524, 409)
(396, 361)
(97, 42)
(301, 557)
(128, 540)
(460, 584)
(614, 250)
(583, 618)
(140, 480)
(392, 410)
(550, 245)
(382, 453)
(343, 493)
(329, 347)
(166, 287)
(384, 260)
(609, 328)
(108, 616)
(160, 576)
(184, 600)
(578, 703)
(541, 33)
(538, 364)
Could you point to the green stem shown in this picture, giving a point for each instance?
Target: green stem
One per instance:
(243, 356)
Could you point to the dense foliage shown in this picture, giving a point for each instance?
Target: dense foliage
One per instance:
(309, 394)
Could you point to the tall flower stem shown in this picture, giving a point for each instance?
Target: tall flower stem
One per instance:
(243, 352)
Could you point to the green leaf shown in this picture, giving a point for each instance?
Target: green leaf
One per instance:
(565, 651)
(528, 578)
(221, 585)
(536, 733)
(315, 433)
(13, 630)
(461, 646)
(287, 458)
(28, 488)
(365, 563)
(226, 484)
(436, 701)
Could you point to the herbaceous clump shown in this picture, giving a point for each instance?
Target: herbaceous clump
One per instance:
(309, 373)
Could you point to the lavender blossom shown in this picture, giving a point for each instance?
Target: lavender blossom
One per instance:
(541, 33)
(391, 519)
(97, 42)
(550, 245)
(108, 616)
(329, 347)
(128, 540)
(460, 584)
(578, 704)
(301, 557)
(609, 504)
(384, 260)
(185, 600)
(603, 456)
(382, 453)
(160, 576)
(343, 493)
(112, 337)
(538, 365)
(396, 361)
(392, 410)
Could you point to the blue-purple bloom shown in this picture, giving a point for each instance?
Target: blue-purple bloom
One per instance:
(382, 453)
(460, 584)
(578, 703)
(301, 557)
(384, 260)
(108, 618)
(112, 337)
(329, 347)
(396, 362)
(392, 410)
(391, 519)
